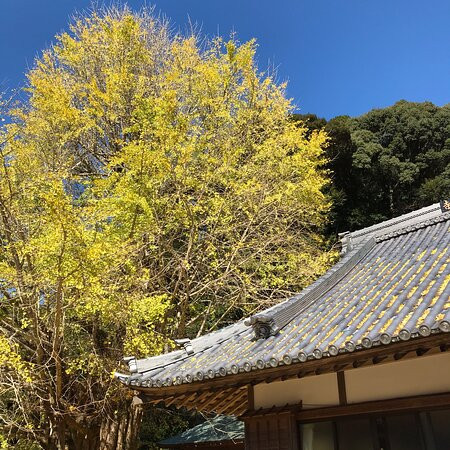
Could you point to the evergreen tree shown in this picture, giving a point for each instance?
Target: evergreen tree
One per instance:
(385, 163)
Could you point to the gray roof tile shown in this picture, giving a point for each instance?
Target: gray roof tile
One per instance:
(393, 284)
(218, 429)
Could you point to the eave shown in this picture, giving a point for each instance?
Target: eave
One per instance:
(229, 395)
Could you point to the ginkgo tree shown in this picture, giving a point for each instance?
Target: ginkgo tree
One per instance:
(152, 186)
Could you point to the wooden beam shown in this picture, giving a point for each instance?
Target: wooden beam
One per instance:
(171, 400)
(359, 363)
(378, 406)
(250, 397)
(199, 400)
(239, 409)
(167, 400)
(190, 407)
(305, 373)
(212, 401)
(400, 355)
(225, 397)
(274, 410)
(205, 398)
(378, 359)
(272, 379)
(341, 388)
(339, 367)
(422, 351)
(185, 401)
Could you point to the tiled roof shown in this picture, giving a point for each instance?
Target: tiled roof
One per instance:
(218, 429)
(393, 283)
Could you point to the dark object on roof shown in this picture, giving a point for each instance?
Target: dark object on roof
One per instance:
(445, 205)
(223, 431)
(392, 284)
(186, 344)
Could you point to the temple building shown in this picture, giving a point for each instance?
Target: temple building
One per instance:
(358, 360)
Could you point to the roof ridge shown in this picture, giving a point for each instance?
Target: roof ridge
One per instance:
(410, 228)
(270, 322)
(412, 217)
(398, 219)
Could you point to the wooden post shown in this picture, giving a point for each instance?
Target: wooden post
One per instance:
(341, 388)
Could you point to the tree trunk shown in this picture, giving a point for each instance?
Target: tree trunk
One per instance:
(121, 432)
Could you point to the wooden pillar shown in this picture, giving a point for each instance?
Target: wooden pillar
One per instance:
(271, 431)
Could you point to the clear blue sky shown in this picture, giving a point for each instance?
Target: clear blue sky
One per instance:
(339, 56)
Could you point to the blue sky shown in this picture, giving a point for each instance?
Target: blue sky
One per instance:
(339, 56)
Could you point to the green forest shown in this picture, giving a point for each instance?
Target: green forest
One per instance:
(386, 162)
(157, 186)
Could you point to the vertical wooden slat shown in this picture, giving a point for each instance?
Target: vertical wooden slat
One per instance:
(341, 388)
(271, 432)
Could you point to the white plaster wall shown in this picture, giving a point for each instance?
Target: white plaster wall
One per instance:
(418, 376)
(314, 392)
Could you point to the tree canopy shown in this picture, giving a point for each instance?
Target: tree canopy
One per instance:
(152, 186)
(387, 162)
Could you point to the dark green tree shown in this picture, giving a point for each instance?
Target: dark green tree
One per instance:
(387, 162)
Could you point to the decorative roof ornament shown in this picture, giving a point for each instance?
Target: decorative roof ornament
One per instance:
(132, 363)
(346, 242)
(445, 205)
(263, 326)
(186, 344)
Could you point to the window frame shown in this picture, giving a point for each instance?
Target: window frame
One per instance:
(379, 426)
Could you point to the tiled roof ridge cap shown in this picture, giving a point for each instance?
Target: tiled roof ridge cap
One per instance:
(411, 228)
(271, 321)
(413, 215)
